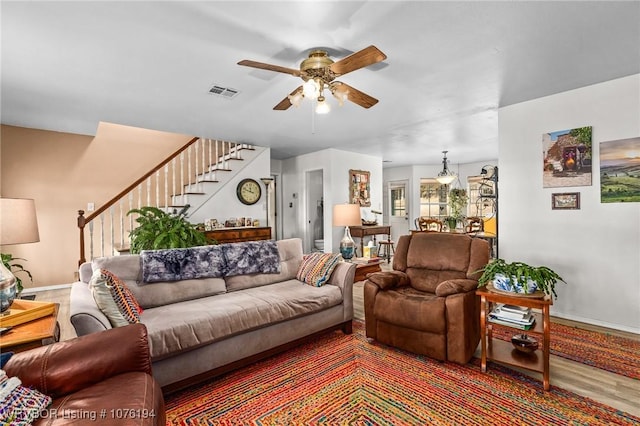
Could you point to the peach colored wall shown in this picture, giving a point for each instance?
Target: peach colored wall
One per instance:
(63, 172)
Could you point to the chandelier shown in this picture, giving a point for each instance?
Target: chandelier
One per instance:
(446, 176)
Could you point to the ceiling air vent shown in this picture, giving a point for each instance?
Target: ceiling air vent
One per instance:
(223, 92)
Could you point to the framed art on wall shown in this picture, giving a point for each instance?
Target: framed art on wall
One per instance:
(565, 201)
(620, 171)
(360, 188)
(567, 158)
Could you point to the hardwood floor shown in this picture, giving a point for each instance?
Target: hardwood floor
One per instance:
(608, 388)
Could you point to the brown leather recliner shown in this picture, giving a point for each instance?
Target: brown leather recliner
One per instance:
(101, 378)
(427, 304)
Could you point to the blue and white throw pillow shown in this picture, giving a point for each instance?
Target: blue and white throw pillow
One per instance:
(251, 257)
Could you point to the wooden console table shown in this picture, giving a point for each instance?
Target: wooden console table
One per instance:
(234, 235)
(369, 230)
(504, 352)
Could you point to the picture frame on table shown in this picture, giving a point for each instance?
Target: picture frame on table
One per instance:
(565, 201)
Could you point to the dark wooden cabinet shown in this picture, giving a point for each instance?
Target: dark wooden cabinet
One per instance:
(234, 235)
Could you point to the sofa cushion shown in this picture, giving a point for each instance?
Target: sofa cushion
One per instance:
(251, 257)
(409, 308)
(194, 323)
(127, 268)
(114, 298)
(316, 268)
(134, 394)
(290, 254)
(182, 263)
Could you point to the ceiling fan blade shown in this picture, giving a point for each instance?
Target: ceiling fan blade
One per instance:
(356, 96)
(269, 67)
(363, 58)
(286, 103)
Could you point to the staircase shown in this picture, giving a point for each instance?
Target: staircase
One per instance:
(190, 176)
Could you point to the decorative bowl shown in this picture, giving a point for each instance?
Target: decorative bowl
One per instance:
(524, 343)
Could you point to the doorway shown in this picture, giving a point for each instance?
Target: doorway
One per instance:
(398, 208)
(314, 232)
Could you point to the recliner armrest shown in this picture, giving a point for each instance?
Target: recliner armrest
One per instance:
(449, 287)
(388, 279)
(68, 366)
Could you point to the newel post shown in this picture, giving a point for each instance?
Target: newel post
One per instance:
(81, 223)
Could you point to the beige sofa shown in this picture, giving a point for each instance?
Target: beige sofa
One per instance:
(204, 327)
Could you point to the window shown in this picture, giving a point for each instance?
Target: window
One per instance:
(398, 201)
(433, 198)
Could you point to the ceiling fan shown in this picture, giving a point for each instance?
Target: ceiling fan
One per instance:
(319, 72)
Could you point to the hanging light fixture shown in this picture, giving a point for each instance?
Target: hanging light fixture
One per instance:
(322, 107)
(446, 176)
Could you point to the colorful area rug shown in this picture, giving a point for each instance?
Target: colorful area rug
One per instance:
(339, 380)
(600, 350)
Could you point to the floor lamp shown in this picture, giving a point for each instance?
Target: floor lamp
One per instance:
(267, 184)
(18, 225)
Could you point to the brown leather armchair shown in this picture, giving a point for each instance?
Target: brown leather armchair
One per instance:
(427, 304)
(105, 375)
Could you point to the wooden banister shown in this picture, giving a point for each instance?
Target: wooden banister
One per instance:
(82, 220)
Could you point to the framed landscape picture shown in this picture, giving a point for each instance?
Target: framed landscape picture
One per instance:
(567, 158)
(620, 171)
(360, 188)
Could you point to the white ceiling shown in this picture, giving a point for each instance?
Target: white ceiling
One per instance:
(68, 65)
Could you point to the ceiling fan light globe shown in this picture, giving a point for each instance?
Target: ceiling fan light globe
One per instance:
(322, 107)
(295, 99)
(310, 89)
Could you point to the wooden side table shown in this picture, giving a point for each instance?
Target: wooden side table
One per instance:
(365, 268)
(503, 352)
(39, 332)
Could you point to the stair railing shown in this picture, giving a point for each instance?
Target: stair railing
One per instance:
(166, 186)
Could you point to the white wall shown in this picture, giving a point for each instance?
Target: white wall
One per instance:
(225, 204)
(597, 248)
(335, 165)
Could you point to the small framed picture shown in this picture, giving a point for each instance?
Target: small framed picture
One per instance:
(565, 201)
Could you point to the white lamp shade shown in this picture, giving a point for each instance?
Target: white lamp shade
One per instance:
(445, 179)
(18, 222)
(346, 215)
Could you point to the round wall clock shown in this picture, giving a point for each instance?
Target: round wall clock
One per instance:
(249, 191)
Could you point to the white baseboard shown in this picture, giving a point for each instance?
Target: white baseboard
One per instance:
(605, 324)
(45, 288)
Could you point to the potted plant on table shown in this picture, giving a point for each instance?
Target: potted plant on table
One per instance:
(519, 277)
(9, 262)
(160, 230)
(457, 201)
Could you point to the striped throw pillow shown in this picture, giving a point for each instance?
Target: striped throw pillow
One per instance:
(114, 298)
(316, 268)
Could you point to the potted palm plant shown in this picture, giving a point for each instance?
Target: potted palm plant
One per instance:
(519, 277)
(160, 230)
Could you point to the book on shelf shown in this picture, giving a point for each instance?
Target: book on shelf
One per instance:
(513, 308)
(520, 324)
(505, 312)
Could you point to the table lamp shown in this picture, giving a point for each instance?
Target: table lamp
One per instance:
(347, 215)
(18, 225)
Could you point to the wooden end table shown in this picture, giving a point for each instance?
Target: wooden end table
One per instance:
(503, 352)
(362, 269)
(39, 332)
